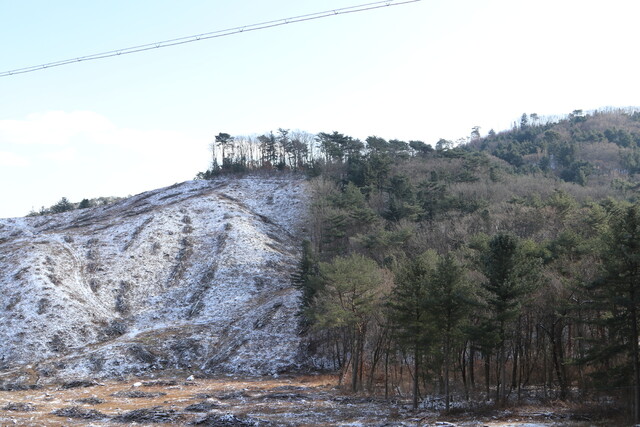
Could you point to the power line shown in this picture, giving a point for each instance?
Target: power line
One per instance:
(210, 35)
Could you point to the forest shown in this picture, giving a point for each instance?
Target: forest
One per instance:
(496, 269)
(491, 268)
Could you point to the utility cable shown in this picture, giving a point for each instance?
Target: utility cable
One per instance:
(210, 35)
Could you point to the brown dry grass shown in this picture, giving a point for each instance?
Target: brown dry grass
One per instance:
(287, 401)
(231, 394)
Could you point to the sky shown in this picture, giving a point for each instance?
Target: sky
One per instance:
(425, 70)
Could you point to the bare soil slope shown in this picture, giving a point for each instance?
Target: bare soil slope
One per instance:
(194, 277)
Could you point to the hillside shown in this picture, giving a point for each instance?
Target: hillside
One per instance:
(581, 147)
(195, 276)
(498, 268)
(492, 266)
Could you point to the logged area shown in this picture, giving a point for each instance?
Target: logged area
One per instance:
(195, 276)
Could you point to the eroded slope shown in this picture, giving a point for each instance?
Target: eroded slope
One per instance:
(195, 276)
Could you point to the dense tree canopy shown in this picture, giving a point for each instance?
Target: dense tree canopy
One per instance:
(514, 252)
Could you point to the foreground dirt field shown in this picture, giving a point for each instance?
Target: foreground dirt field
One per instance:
(296, 401)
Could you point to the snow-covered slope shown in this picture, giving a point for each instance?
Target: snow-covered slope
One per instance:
(195, 277)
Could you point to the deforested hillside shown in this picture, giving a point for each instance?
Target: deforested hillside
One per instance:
(195, 276)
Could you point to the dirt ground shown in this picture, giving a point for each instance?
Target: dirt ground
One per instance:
(286, 401)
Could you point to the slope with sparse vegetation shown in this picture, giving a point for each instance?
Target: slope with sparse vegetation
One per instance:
(193, 277)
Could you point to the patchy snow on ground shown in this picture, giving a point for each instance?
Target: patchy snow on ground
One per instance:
(265, 401)
(195, 276)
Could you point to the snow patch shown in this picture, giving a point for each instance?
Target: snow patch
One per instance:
(195, 276)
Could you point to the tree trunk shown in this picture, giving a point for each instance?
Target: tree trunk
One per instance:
(636, 360)
(514, 368)
(360, 385)
(516, 352)
(472, 379)
(446, 372)
(463, 371)
(555, 334)
(502, 389)
(355, 361)
(377, 354)
(545, 375)
(487, 374)
(416, 367)
(386, 374)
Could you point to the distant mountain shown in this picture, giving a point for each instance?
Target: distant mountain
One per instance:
(574, 148)
(195, 277)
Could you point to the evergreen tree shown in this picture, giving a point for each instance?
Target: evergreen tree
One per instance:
(338, 147)
(63, 205)
(225, 142)
(511, 274)
(449, 299)
(268, 145)
(616, 295)
(402, 199)
(307, 278)
(409, 310)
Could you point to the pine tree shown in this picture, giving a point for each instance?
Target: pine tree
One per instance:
(409, 311)
(307, 277)
(616, 295)
(449, 299)
(511, 275)
(63, 205)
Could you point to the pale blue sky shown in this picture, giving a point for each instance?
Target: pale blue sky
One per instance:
(427, 70)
